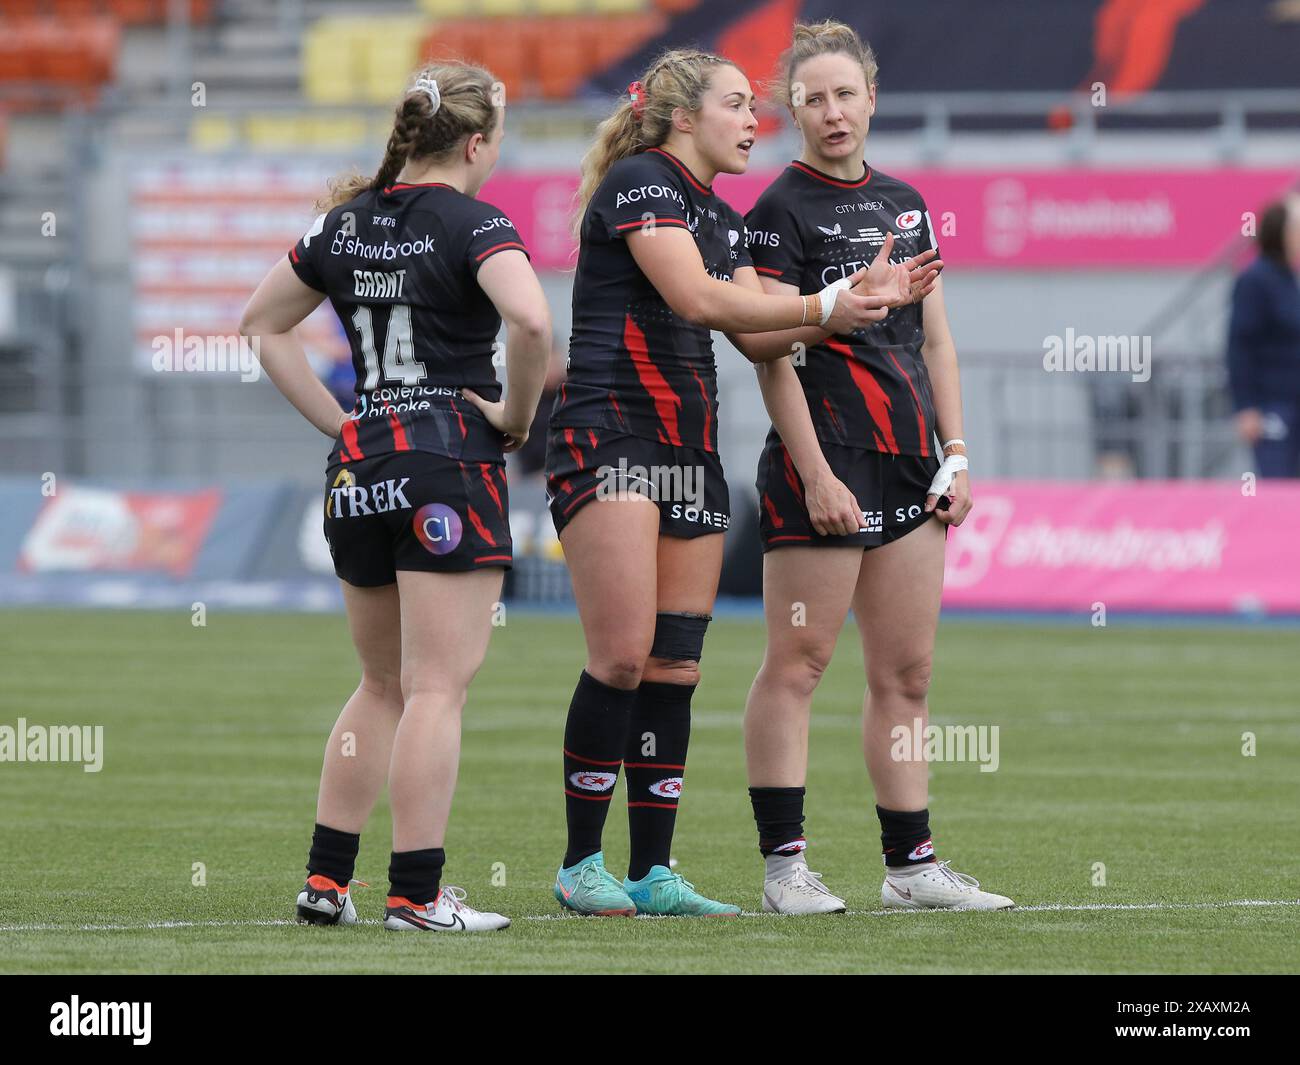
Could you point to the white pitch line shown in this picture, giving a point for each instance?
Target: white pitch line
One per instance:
(146, 926)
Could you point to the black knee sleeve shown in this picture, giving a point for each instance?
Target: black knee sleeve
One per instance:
(679, 637)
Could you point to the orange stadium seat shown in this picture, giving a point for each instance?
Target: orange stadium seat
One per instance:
(18, 10)
(508, 52)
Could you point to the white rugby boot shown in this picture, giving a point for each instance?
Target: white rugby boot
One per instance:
(789, 886)
(934, 886)
(446, 913)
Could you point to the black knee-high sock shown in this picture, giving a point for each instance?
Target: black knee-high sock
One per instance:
(333, 854)
(658, 734)
(416, 875)
(593, 749)
(905, 837)
(778, 812)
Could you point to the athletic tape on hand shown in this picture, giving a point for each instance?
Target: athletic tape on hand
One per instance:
(828, 295)
(948, 469)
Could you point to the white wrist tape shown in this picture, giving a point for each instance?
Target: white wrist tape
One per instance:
(948, 469)
(828, 295)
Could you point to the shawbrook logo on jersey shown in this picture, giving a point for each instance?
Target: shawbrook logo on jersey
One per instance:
(202, 353)
(134, 1019)
(346, 244)
(53, 743)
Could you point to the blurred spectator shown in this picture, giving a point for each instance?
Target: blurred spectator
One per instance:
(1264, 345)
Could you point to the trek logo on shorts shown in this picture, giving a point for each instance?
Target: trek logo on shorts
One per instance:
(669, 788)
(438, 528)
(592, 780)
(352, 500)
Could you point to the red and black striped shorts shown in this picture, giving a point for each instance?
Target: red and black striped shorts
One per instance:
(415, 510)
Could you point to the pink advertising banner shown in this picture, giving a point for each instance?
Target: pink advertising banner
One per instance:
(995, 218)
(1155, 545)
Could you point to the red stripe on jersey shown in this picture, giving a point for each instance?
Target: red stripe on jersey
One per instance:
(485, 468)
(421, 185)
(573, 449)
(771, 271)
(494, 558)
(293, 254)
(460, 418)
(499, 247)
(618, 410)
(578, 498)
(683, 168)
(591, 435)
(655, 221)
(920, 417)
(479, 527)
(708, 418)
(351, 449)
(400, 441)
(778, 539)
(878, 405)
(665, 399)
(835, 419)
(830, 180)
(791, 477)
(772, 515)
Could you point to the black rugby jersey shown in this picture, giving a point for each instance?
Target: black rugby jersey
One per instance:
(400, 266)
(634, 366)
(870, 388)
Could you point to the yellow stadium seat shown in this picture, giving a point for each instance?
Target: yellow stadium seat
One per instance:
(330, 62)
(503, 7)
(447, 8)
(212, 133)
(618, 7)
(562, 7)
(391, 54)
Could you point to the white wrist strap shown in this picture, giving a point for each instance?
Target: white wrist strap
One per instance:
(828, 295)
(954, 440)
(948, 469)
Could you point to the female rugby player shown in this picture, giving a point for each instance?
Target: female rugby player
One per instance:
(877, 396)
(415, 509)
(662, 260)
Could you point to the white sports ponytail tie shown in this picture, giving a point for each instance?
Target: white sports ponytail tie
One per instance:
(429, 85)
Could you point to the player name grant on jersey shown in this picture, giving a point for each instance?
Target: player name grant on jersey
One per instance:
(378, 285)
(53, 743)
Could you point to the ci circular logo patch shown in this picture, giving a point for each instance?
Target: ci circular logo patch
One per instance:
(438, 528)
(908, 220)
(592, 780)
(670, 788)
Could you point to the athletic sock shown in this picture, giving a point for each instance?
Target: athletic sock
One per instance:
(333, 854)
(658, 733)
(416, 875)
(778, 812)
(905, 837)
(594, 735)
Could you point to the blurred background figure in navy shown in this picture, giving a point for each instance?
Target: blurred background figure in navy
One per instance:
(1264, 345)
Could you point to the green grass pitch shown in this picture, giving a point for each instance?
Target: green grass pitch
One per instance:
(1120, 745)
